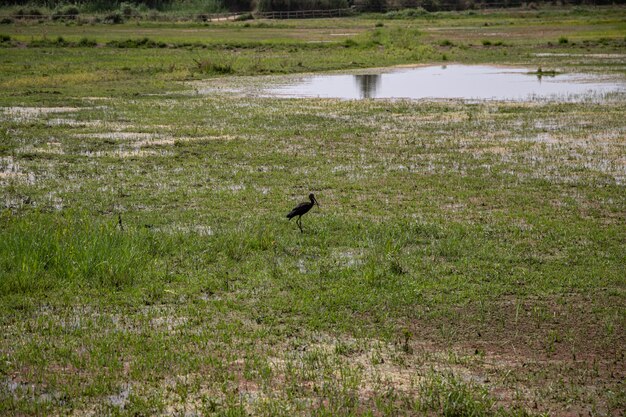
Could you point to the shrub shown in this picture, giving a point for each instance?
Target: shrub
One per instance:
(68, 12)
(60, 41)
(4, 38)
(129, 10)
(46, 42)
(86, 42)
(154, 15)
(563, 40)
(28, 14)
(6, 21)
(136, 43)
(114, 18)
(406, 13)
(280, 5)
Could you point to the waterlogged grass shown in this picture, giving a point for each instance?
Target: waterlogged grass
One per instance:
(467, 258)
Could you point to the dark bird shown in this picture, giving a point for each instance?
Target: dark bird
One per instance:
(301, 209)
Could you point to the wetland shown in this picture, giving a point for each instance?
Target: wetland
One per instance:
(467, 258)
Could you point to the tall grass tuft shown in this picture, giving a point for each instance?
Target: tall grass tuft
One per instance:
(447, 395)
(207, 66)
(41, 252)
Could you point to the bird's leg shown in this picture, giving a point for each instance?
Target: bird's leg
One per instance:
(300, 223)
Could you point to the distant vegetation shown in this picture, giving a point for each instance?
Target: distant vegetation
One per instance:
(440, 5)
(275, 5)
(35, 8)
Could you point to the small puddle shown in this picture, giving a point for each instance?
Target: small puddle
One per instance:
(450, 82)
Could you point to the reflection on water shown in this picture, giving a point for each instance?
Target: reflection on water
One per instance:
(368, 84)
(453, 81)
(540, 75)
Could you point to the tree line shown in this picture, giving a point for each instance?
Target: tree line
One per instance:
(293, 5)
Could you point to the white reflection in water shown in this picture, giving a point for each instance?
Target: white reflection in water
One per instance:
(453, 81)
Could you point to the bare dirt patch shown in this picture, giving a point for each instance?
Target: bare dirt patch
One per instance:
(538, 353)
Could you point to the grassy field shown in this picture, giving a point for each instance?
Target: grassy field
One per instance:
(467, 259)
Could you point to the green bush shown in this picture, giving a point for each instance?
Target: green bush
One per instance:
(114, 18)
(60, 41)
(46, 42)
(283, 5)
(129, 10)
(28, 14)
(137, 43)
(86, 42)
(406, 13)
(67, 12)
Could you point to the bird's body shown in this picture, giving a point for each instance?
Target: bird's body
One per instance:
(301, 209)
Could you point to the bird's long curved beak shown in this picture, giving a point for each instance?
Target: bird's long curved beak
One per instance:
(318, 204)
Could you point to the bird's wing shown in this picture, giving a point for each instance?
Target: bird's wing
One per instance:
(301, 205)
(296, 209)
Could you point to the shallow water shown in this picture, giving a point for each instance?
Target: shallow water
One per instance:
(451, 81)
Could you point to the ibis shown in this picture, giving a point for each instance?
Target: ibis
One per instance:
(301, 209)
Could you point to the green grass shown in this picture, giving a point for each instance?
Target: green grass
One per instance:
(467, 258)
(43, 254)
